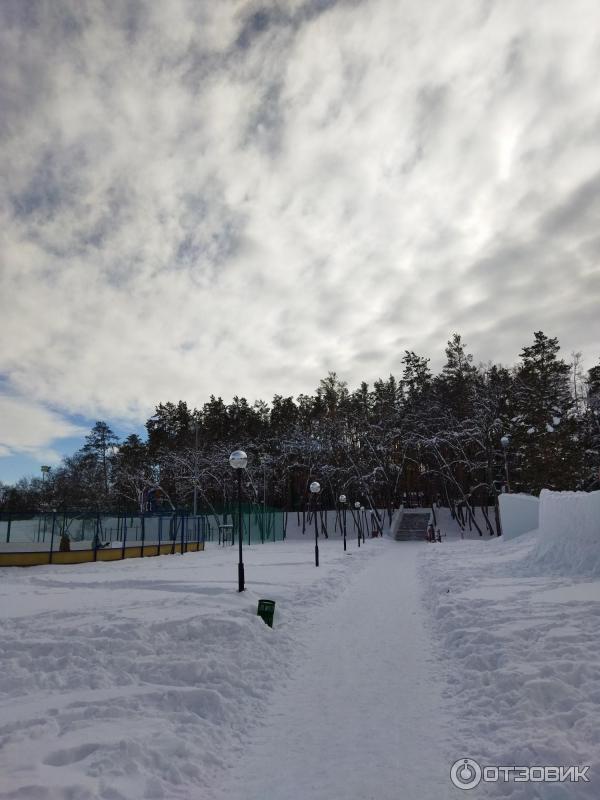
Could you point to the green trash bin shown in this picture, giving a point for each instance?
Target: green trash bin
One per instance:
(266, 610)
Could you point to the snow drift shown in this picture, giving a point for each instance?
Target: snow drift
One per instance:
(519, 513)
(569, 535)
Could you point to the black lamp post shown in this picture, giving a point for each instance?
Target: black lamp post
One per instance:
(343, 501)
(505, 441)
(238, 460)
(364, 521)
(315, 488)
(357, 508)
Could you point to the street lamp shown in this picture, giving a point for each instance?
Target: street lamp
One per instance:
(238, 460)
(343, 501)
(357, 507)
(363, 521)
(505, 441)
(315, 488)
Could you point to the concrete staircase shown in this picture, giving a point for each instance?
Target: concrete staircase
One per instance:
(413, 526)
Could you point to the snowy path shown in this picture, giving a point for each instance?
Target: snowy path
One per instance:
(154, 678)
(363, 709)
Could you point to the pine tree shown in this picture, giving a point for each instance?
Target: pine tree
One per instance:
(100, 444)
(416, 377)
(172, 425)
(544, 439)
(283, 416)
(591, 430)
(457, 383)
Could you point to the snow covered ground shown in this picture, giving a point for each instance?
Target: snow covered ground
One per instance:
(517, 632)
(520, 662)
(154, 678)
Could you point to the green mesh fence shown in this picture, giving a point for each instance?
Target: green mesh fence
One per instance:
(83, 528)
(260, 524)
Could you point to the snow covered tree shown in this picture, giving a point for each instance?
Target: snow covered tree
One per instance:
(423, 435)
(133, 472)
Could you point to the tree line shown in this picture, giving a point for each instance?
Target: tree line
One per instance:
(459, 437)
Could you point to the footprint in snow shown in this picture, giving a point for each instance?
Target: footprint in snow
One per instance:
(60, 758)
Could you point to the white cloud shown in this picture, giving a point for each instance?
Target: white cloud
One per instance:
(233, 198)
(28, 428)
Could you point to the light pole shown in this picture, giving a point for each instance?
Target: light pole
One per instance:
(505, 442)
(238, 460)
(315, 488)
(343, 501)
(357, 508)
(45, 471)
(363, 521)
(264, 461)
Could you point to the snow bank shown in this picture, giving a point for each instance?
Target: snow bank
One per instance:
(519, 513)
(519, 658)
(569, 540)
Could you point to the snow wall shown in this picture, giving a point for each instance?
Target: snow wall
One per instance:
(569, 537)
(519, 513)
(396, 520)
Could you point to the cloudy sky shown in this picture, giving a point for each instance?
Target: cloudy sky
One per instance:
(235, 197)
